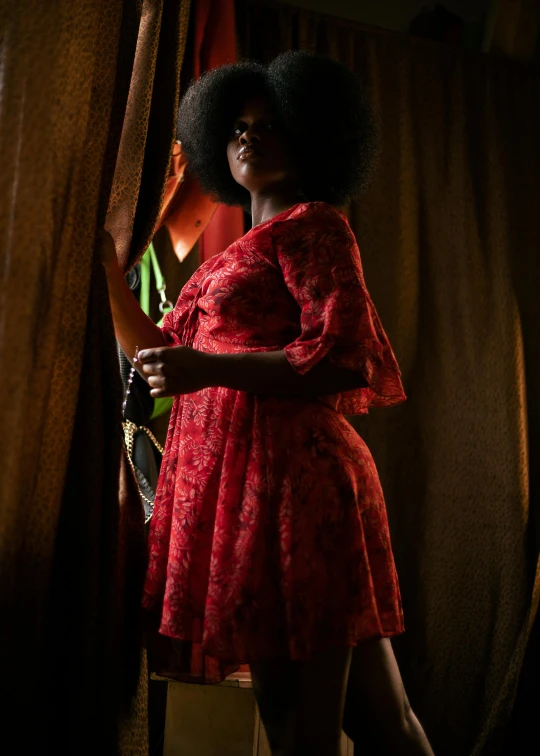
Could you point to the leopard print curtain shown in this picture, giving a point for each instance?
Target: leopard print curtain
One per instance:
(88, 96)
(449, 238)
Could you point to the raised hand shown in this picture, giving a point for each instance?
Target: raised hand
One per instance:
(106, 249)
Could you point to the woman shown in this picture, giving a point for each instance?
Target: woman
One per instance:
(269, 543)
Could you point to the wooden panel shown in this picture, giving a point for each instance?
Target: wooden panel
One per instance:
(347, 746)
(209, 721)
(261, 746)
(220, 720)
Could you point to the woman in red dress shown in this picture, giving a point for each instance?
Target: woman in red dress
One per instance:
(269, 543)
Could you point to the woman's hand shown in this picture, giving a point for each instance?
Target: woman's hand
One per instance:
(106, 249)
(175, 370)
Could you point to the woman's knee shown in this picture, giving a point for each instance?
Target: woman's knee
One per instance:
(408, 723)
(361, 721)
(376, 697)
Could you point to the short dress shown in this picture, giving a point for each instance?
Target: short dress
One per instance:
(269, 538)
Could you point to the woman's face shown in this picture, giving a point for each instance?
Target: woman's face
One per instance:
(260, 158)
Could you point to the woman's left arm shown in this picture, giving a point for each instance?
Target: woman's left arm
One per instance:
(182, 370)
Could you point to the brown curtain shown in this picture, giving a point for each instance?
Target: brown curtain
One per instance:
(88, 93)
(512, 28)
(449, 235)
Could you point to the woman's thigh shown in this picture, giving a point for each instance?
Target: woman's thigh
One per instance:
(301, 702)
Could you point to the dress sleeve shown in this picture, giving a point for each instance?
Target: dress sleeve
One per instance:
(320, 261)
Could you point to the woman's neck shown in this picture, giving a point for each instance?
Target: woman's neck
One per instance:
(265, 207)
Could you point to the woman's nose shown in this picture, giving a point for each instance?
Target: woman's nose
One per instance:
(250, 135)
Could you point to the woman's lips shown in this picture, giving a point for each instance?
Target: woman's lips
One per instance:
(249, 154)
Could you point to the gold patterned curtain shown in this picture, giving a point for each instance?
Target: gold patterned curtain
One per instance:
(449, 236)
(88, 96)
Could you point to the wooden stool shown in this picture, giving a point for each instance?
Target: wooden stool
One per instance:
(218, 720)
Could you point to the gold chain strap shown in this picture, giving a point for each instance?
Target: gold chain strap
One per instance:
(129, 433)
(130, 429)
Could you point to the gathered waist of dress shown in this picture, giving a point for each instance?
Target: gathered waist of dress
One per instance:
(206, 343)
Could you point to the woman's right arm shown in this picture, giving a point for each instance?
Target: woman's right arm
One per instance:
(133, 328)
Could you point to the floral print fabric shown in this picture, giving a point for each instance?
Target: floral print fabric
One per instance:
(269, 537)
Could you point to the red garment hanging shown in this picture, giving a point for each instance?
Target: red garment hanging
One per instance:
(215, 45)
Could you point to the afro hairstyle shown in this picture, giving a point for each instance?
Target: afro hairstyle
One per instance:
(322, 107)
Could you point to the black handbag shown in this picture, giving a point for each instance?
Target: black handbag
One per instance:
(143, 450)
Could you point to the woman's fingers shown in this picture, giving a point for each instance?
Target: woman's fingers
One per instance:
(157, 381)
(105, 247)
(168, 370)
(150, 355)
(158, 393)
(153, 368)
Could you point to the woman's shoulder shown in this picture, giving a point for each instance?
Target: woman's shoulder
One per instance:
(313, 214)
(314, 211)
(309, 219)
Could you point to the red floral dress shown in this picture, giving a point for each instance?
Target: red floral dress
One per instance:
(270, 537)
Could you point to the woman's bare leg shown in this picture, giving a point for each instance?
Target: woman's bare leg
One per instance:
(301, 702)
(378, 716)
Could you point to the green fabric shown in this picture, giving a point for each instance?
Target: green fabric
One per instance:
(145, 284)
(158, 275)
(149, 259)
(161, 406)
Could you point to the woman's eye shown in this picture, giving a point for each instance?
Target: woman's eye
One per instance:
(238, 129)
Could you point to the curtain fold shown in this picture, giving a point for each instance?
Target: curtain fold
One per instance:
(71, 548)
(148, 127)
(449, 239)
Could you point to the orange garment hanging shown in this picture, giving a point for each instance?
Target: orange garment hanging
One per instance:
(186, 211)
